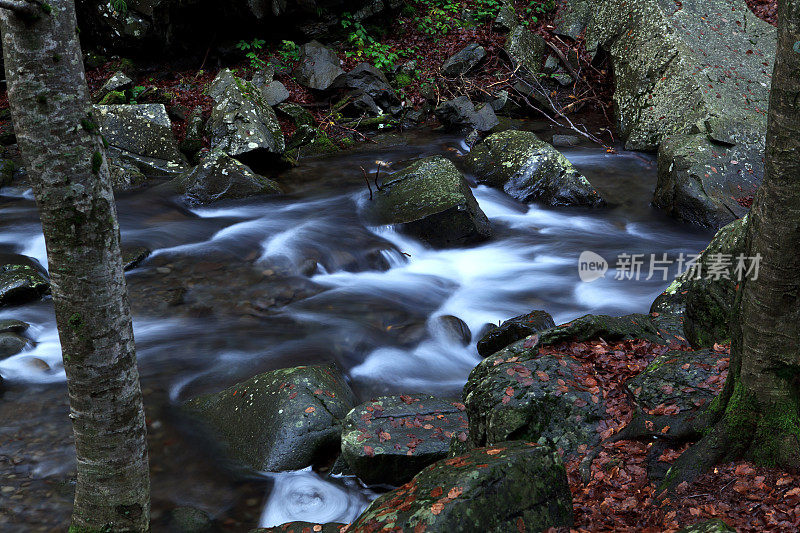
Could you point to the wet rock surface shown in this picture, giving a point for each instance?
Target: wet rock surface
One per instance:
(530, 170)
(516, 394)
(140, 136)
(463, 61)
(431, 200)
(301, 527)
(516, 486)
(513, 330)
(242, 124)
(390, 439)
(687, 380)
(319, 66)
(461, 113)
(221, 177)
(20, 281)
(281, 420)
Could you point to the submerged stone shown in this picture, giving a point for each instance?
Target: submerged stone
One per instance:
(392, 438)
(280, 420)
(516, 486)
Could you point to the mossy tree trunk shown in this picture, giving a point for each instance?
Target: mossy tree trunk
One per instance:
(65, 159)
(757, 415)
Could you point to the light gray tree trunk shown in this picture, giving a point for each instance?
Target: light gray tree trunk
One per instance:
(757, 415)
(65, 159)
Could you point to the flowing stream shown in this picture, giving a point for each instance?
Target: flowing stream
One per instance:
(242, 287)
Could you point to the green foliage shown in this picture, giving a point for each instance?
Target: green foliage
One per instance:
(366, 47)
(120, 6)
(289, 51)
(97, 162)
(486, 10)
(437, 17)
(536, 8)
(252, 48)
(136, 92)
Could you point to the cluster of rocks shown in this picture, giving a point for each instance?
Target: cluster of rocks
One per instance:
(494, 457)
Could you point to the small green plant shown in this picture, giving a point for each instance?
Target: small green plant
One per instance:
(538, 7)
(437, 17)
(486, 10)
(365, 46)
(136, 92)
(289, 51)
(251, 50)
(120, 6)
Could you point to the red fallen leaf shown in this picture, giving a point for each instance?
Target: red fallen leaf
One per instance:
(462, 437)
(455, 492)
(509, 391)
(494, 451)
(407, 399)
(310, 409)
(384, 436)
(542, 376)
(437, 508)
(505, 399)
(437, 492)
(793, 492)
(744, 470)
(427, 426)
(783, 480)
(369, 451)
(292, 396)
(460, 406)
(694, 511)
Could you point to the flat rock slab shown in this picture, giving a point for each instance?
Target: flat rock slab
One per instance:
(680, 381)
(516, 486)
(279, 420)
(609, 328)
(530, 170)
(390, 439)
(432, 201)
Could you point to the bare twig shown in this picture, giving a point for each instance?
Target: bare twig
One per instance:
(367, 180)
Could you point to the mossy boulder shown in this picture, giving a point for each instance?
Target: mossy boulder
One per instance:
(280, 420)
(11, 344)
(688, 380)
(139, 136)
(20, 281)
(610, 328)
(526, 49)
(221, 177)
(701, 305)
(516, 394)
(513, 330)
(530, 170)
(119, 82)
(242, 124)
(390, 439)
(708, 526)
(516, 486)
(431, 200)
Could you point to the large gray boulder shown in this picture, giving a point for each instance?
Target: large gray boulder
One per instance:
(516, 486)
(242, 124)
(391, 438)
(700, 71)
(707, 181)
(319, 66)
(530, 170)
(460, 113)
(140, 139)
(366, 81)
(221, 177)
(526, 49)
(431, 200)
(464, 60)
(280, 420)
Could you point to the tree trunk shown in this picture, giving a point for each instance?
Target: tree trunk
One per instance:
(65, 158)
(757, 415)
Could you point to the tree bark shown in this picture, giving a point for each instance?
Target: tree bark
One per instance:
(757, 415)
(65, 158)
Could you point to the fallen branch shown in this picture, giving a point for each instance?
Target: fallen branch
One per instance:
(366, 179)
